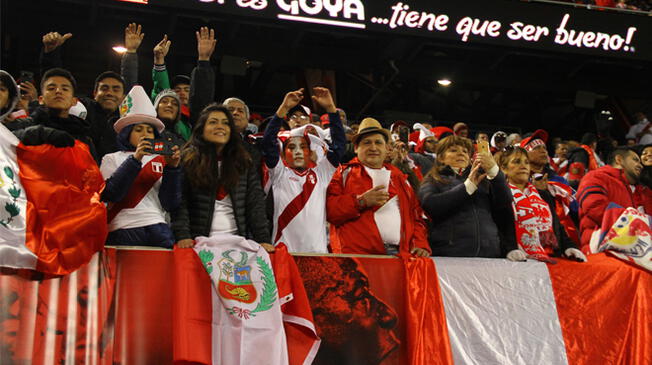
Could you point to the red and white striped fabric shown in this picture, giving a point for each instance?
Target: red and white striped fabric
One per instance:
(501, 312)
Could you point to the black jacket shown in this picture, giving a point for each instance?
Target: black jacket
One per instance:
(43, 127)
(463, 225)
(195, 214)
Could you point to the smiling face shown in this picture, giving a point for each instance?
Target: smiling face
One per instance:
(456, 156)
(109, 94)
(517, 168)
(372, 150)
(646, 156)
(217, 130)
(168, 108)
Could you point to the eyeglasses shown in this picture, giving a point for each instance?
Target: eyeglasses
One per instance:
(299, 117)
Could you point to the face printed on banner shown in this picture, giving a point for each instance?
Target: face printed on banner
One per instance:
(355, 326)
(297, 153)
(140, 130)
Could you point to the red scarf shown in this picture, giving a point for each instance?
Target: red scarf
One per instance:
(533, 220)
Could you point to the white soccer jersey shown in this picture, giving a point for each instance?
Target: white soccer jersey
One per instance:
(149, 210)
(306, 231)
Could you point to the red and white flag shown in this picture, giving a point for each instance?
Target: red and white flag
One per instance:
(51, 217)
(233, 314)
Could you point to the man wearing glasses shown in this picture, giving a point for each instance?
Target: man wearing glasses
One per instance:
(299, 116)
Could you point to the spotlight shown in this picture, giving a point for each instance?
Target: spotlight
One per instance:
(444, 82)
(119, 49)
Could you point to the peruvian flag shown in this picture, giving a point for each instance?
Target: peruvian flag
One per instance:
(51, 217)
(227, 308)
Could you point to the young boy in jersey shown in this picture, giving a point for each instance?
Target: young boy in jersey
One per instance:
(300, 178)
(140, 186)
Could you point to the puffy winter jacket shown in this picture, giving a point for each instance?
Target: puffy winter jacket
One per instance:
(597, 189)
(195, 214)
(463, 225)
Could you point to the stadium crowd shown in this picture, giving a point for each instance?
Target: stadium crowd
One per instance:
(179, 165)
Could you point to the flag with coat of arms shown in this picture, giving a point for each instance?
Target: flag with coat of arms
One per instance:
(228, 307)
(51, 216)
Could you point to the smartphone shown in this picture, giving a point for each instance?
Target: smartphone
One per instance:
(160, 146)
(404, 135)
(483, 146)
(25, 76)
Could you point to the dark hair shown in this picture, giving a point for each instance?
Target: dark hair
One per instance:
(200, 159)
(122, 139)
(589, 138)
(179, 80)
(110, 75)
(53, 72)
(621, 151)
(444, 144)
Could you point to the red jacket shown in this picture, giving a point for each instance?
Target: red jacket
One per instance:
(599, 188)
(354, 230)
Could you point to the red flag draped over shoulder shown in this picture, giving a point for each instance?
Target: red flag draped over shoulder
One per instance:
(66, 222)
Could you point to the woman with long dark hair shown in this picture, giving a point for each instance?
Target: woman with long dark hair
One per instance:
(221, 190)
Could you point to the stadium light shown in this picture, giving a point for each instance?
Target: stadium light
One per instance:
(119, 49)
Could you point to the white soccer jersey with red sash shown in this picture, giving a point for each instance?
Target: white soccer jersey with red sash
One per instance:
(300, 206)
(142, 206)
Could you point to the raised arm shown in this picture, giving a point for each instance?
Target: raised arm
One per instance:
(202, 79)
(159, 71)
(129, 62)
(270, 142)
(51, 52)
(322, 96)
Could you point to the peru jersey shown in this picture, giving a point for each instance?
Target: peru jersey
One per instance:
(149, 210)
(300, 206)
